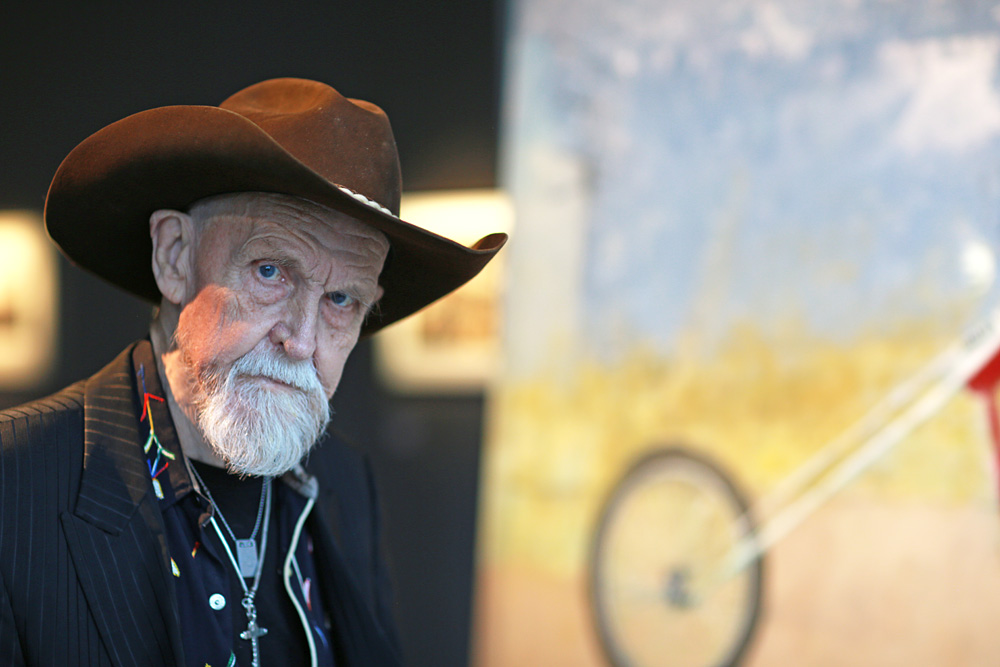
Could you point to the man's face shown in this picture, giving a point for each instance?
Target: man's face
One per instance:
(280, 292)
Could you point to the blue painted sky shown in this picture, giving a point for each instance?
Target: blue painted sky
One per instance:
(836, 162)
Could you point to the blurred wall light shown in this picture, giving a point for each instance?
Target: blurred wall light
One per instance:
(28, 301)
(453, 346)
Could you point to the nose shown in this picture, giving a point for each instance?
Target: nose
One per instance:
(296, 332)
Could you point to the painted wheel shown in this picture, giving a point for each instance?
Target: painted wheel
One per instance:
(674, 577)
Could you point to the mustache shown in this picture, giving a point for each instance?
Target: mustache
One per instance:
(301, 375)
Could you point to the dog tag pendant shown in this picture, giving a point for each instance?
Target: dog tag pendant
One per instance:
(246, 555)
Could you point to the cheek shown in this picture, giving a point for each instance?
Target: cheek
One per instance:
(211, 328)
(330, 360)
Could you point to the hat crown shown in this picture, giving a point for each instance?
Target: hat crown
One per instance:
(348, 142)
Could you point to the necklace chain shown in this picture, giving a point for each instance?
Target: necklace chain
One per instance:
(254, 632)
(265, 487)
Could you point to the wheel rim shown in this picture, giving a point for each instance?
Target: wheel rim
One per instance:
(657, 594)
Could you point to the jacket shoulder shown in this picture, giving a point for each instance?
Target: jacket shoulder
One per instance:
(342, 469)
(41, 453)
(59, 417)
(51, 410)
(335, 449)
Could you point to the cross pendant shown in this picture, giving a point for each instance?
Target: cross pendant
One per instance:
(253, 631)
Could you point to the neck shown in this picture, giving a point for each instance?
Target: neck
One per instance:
(178, 386)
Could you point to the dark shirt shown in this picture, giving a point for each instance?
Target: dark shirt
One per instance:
(207, 586)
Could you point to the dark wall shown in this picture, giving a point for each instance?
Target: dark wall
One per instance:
(67, 69)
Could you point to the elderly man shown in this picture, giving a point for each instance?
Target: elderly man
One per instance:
(165, 510)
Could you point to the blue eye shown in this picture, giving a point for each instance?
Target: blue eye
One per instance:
(342, 299)
(267, 271)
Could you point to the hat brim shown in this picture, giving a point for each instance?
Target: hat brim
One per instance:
(101, 198)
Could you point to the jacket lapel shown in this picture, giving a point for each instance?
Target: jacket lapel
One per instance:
(357, 635)
(115, 534)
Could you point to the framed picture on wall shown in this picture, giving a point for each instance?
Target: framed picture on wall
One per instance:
(452, 346)
(28, 301)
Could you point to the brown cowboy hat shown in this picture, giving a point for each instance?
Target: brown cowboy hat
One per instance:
(288, 136)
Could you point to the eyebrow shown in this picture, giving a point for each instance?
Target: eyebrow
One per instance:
(265, 246)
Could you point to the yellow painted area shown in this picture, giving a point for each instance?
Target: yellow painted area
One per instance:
(759, 406)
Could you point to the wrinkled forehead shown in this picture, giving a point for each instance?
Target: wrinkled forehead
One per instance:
(251, 213)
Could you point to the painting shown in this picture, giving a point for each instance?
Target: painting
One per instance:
(743, 226)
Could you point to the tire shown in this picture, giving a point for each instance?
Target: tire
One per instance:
(656, 561)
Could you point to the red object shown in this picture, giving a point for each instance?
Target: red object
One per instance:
(984, 383)
(988, 376)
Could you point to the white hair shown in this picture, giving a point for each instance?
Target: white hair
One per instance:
(253, 426)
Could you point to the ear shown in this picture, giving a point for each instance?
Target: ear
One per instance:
(173, 235)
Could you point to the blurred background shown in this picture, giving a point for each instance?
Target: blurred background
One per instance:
(736, 226)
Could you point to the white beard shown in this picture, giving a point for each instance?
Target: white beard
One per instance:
(253, 426)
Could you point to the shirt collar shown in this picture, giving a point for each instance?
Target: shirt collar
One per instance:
(167, 467)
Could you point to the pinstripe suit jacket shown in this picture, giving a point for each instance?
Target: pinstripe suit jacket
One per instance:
(84, 576)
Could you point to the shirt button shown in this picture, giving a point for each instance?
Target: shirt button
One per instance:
(216, 601)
